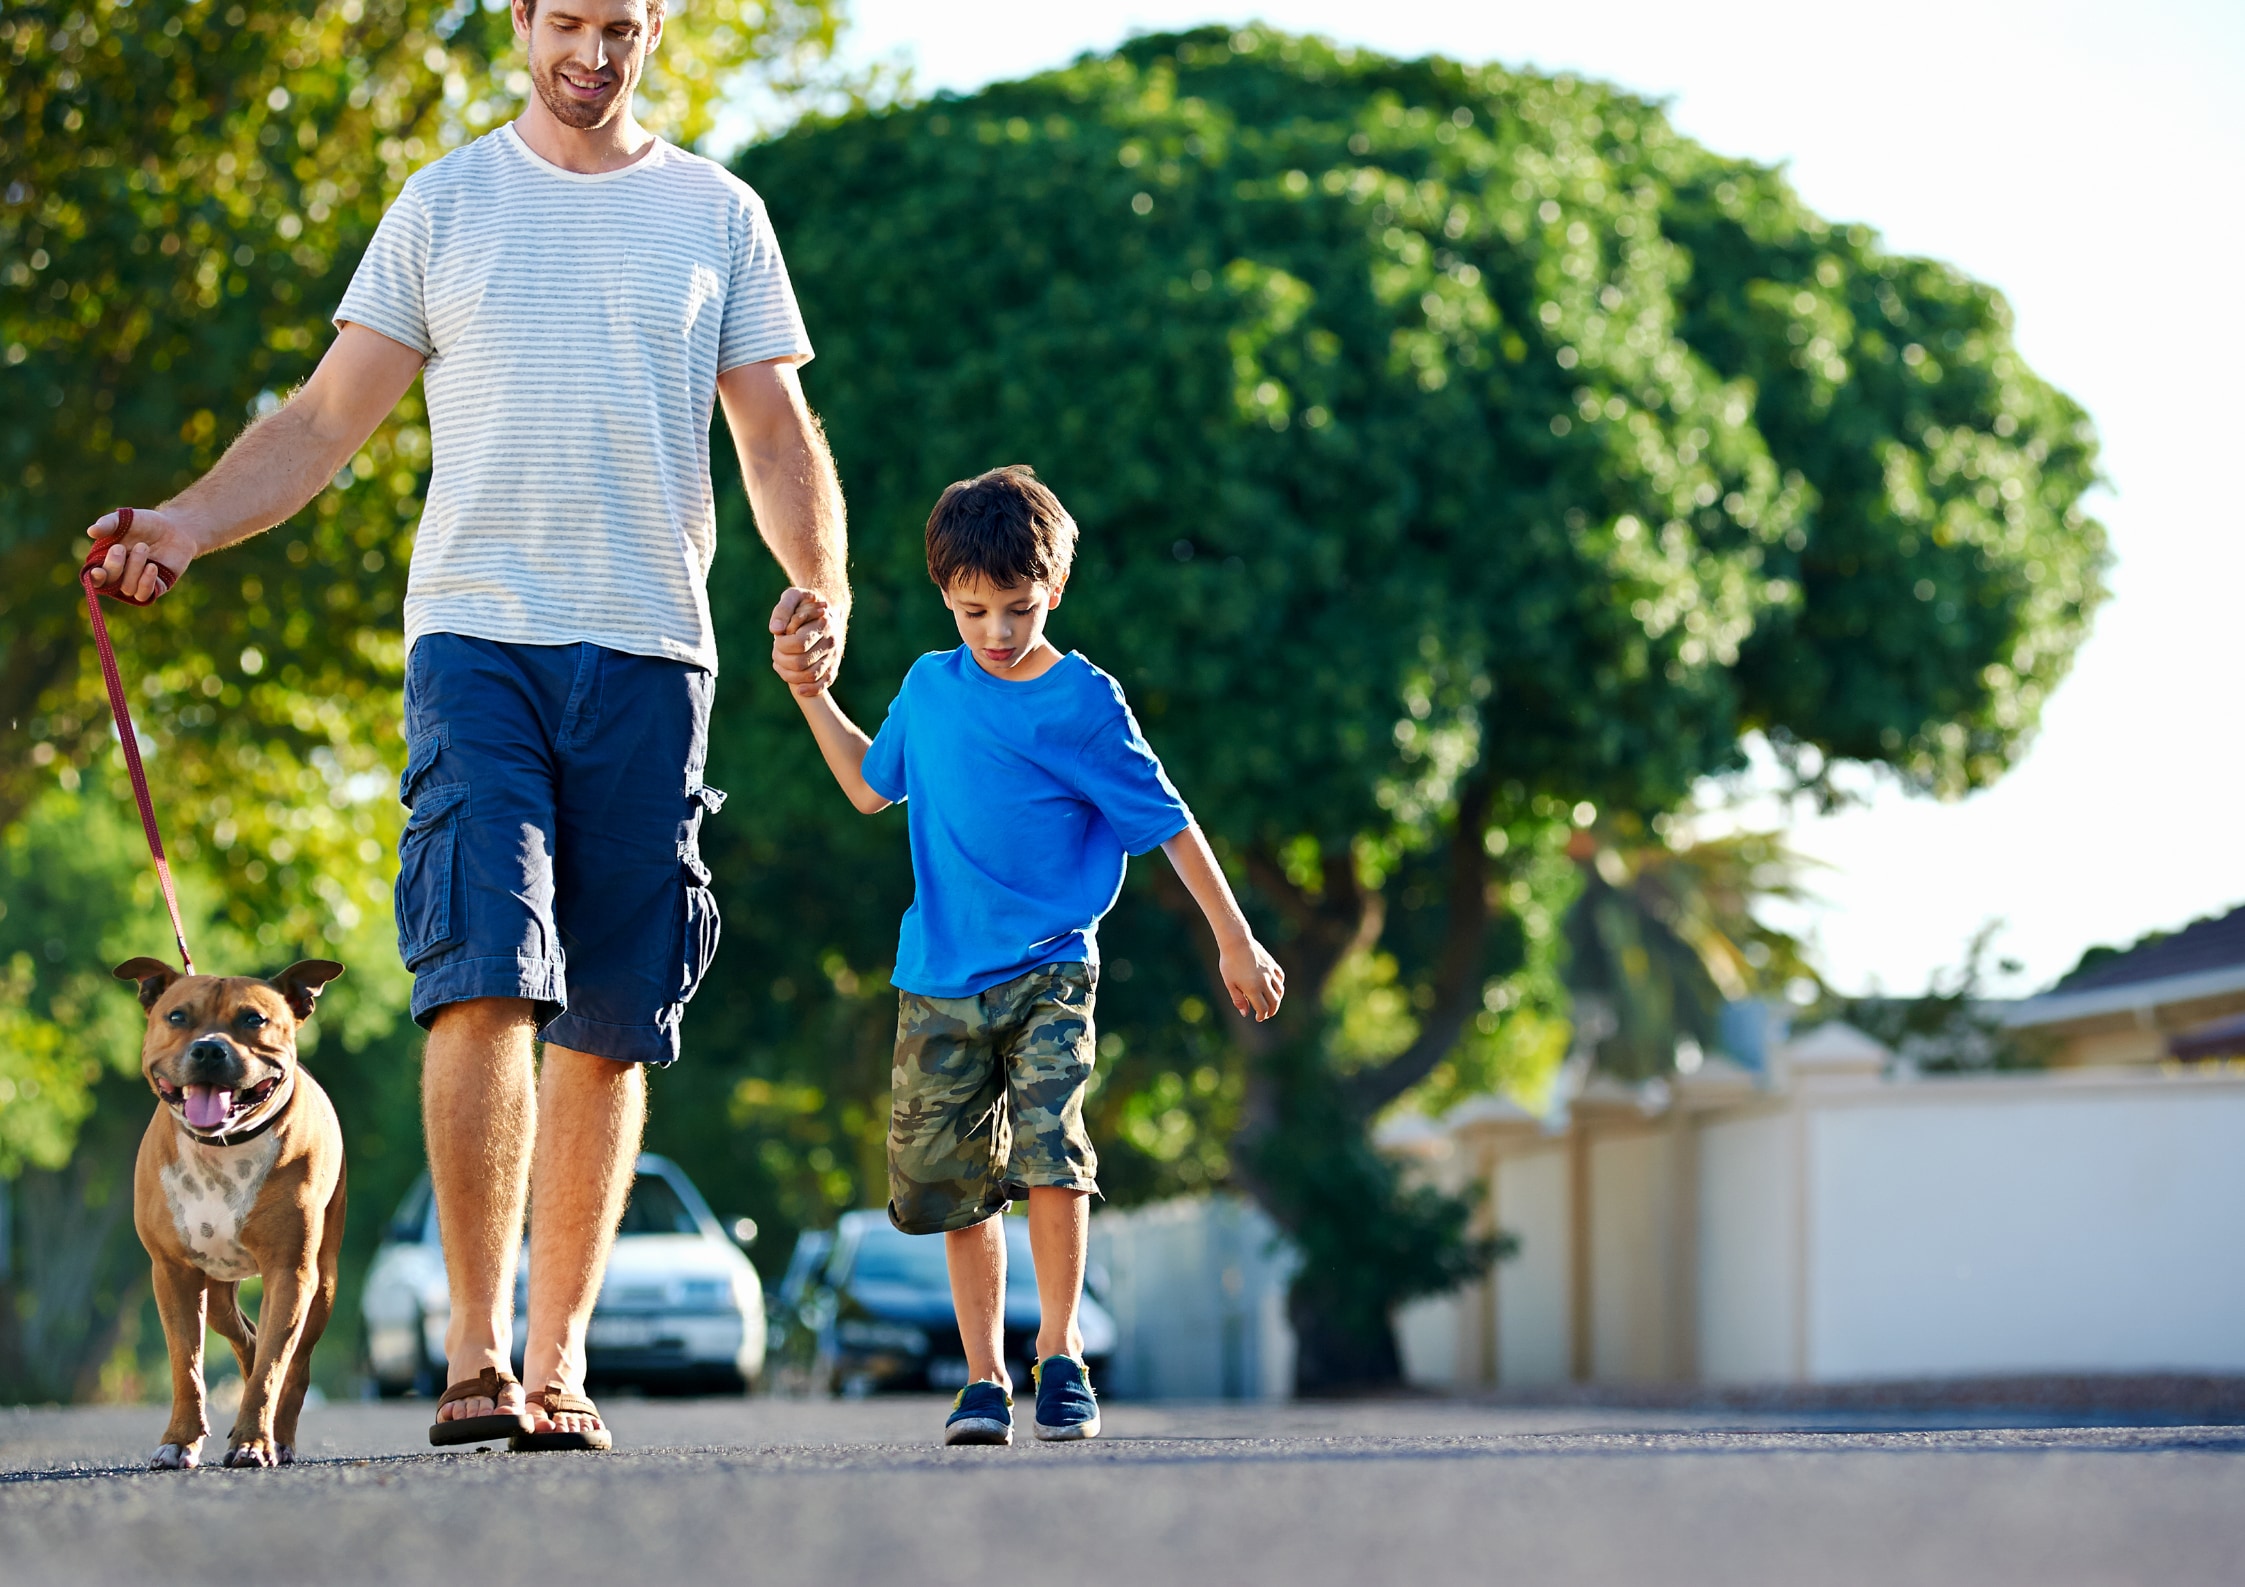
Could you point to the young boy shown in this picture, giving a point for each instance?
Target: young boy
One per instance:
(1027, 782)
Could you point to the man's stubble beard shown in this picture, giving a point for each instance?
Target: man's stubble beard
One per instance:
(572, 112)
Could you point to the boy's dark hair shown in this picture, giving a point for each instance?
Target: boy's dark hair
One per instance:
(1003, 526)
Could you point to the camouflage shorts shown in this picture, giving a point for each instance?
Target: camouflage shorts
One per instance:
(987, 1098)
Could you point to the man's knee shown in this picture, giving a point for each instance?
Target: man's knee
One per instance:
(589, 1068)
(484, 1016)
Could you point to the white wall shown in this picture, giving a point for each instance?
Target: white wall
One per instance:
(1748, 1250)
(1198, 1290)
(1851, 1227)
(2021, 1226)
(1533, 1342)
(1430, 1336)
(1632, 1256)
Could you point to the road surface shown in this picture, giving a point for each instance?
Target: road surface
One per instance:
(776, 1491)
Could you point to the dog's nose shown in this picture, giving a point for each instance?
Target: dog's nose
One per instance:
(211, 1057)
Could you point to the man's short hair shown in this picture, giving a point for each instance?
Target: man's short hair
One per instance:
(530, 9)
(1004, 526)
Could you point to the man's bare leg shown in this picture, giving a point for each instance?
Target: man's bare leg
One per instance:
(478, 1117)
(1059, 1233)
(976, 1258)
(590, 1114)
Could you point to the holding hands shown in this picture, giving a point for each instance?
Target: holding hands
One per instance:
(807, 643)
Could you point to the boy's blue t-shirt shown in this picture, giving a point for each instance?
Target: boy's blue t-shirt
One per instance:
(1022, 800)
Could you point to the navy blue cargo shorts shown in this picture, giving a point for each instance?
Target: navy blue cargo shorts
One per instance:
(554, 847)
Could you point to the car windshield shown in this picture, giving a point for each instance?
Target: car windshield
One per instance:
(655, 1208)
(887, 1256)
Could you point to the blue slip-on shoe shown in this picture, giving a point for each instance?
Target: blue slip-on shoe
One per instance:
(982, 1414)
(1066, 1407)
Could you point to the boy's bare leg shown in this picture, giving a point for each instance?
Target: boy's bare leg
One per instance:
(478, 1117)
(1059, 1232)
(591, 1111)
(977, 1259)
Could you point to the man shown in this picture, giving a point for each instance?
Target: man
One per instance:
(575, 293)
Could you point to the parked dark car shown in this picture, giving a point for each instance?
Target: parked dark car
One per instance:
(864, 1308)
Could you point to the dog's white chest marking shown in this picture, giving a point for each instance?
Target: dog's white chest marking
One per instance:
(210, 1190)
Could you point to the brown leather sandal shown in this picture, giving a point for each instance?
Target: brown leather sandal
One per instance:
(558, 1401)
(489, 1384)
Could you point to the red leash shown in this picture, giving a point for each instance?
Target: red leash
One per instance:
(124, 716)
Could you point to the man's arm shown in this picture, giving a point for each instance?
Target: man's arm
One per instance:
(797, 499)
(273, 468)
(1252, 977)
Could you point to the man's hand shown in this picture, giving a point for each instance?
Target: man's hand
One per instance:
(156, 539)
(807, 652)
(1254, 979)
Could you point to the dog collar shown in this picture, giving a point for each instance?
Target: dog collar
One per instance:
(274, 1110)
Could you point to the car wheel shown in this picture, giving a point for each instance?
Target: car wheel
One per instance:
(724, 1380)
(428, 1376)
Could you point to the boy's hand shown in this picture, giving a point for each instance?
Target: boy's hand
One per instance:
(1254, 979)
(807, 653)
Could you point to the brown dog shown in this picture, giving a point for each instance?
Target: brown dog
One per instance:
(240, 1175)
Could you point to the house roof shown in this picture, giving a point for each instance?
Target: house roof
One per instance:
(2216, 944)
(2205, 959)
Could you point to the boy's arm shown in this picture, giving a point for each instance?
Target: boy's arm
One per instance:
(844, 744)
(840, 740)
(1252, 977)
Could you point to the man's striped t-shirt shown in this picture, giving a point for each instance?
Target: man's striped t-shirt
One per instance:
(575, 327)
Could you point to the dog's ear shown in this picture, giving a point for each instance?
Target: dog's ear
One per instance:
(301, 982)
(155, 978)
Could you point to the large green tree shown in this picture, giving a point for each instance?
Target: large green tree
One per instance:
(1455, 448)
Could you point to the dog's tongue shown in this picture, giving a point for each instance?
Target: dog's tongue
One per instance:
(207, 1106)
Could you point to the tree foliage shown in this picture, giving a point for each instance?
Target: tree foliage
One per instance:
(1453, 446)
(1950, 1027)
(1667, 931)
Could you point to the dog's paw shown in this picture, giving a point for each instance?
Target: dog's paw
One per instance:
(176, 1457)
(257, 1452)
(286, 1454)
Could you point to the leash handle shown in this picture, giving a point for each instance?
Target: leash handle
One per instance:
(102, 547)
(123, 713)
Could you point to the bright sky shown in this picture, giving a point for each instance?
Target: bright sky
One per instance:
(2083, 157)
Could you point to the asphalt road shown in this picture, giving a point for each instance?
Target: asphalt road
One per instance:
(772, 1491)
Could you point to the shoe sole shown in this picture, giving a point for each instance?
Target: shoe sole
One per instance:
(1068, 1432)
(478, 1429)
(978, 1430)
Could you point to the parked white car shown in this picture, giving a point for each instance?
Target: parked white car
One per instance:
(681, 1308)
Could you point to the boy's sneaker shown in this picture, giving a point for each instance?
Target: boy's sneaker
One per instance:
(982, 1414)
(1066, 1407)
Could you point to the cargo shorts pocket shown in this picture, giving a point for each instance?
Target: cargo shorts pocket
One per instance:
(698, 941)
(428, 904)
